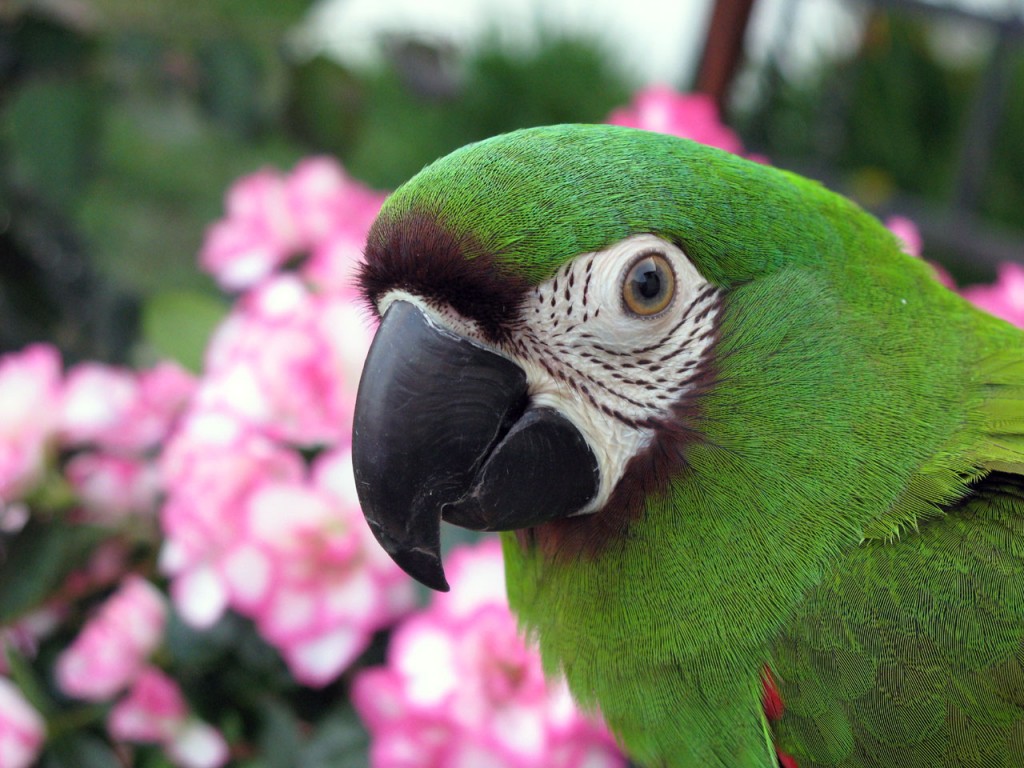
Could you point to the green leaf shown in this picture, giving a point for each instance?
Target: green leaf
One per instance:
(260, 19)
(46, 46)
(52, 129)
(79, 749)
(178, 324)
(324, 104)
(152, 757)
(37, 560)
(198, 649)
(339, 741)
(25, 678)
(280, 739)
(231, 83)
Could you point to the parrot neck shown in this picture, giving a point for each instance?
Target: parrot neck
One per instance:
(673, 693)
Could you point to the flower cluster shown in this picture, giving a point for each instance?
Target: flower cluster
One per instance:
(110, 420)
(155, 712)
(116, 420)
(82, 443)
(316, 214)
(93, 434)
(29, 388)
(112, 648)
(462, 688)
(111, 654)
(252, 522)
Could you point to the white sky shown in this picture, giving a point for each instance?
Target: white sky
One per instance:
(655, 40)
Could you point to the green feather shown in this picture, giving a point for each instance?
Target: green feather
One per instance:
(913, 654)
(836, 517)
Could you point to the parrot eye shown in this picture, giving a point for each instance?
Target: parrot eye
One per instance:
(649, 285)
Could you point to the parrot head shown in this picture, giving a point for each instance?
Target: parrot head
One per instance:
(550, 304)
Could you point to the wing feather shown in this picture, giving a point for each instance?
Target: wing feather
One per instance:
(912, 652)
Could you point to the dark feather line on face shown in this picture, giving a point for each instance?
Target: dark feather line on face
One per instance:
(619, 376)
(575, 382)
(415, 252)
(588, 272)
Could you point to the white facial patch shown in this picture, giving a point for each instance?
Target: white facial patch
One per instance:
(612, 373)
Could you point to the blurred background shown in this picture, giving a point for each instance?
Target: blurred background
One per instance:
(122, 123)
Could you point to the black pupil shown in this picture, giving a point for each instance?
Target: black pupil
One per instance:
(647, 280)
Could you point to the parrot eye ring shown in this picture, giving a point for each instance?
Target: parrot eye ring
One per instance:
(649, 284)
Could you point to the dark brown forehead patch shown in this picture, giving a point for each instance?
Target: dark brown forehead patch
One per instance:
(415, 252)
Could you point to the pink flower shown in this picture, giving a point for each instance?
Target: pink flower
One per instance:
(690, 115)
(248, 527)
(29, 395)
(336, 245)
(21, 728)
(462, 688)
(210, 468)
(324, 200)
(273, 218)
(287, 362)
(197, 745)
(257, 237)
(97, 402)
(110, 651)
(151, 710)
(121, 410)
(1003, 299)
(303, 565)
(164, 392)
(346, 331)
(332, 474)
(332, 264)
(906, 230)
(112, 487)
(154, 711)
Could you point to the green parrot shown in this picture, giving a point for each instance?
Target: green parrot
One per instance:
(759, 475)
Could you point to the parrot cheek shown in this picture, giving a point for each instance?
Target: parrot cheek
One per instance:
(444, 427)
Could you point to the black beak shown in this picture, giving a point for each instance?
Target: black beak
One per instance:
(444, 427)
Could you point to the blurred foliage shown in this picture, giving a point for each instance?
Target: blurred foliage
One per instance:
(893, 119)
(905, 110)
(122, 124)
(1004, 185)
(427, 103)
